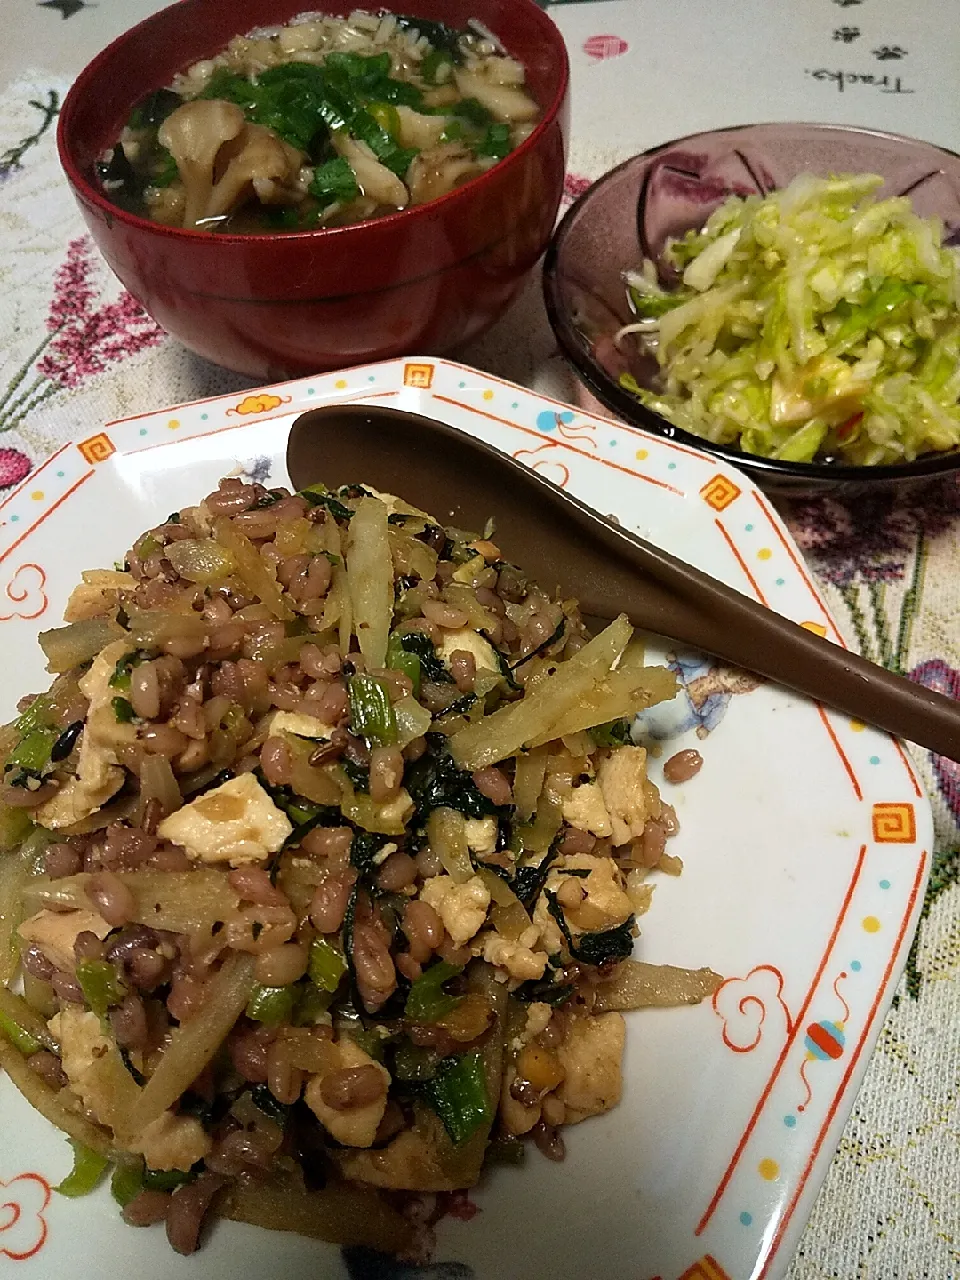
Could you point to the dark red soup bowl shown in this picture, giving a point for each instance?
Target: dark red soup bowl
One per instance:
(272, 306)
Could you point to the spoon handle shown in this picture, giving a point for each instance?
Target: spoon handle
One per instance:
(679, 601)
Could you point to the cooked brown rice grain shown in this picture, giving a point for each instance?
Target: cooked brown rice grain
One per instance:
(683, 766)
(549, 1141)
(61, 860)
(428, 863)
(463, 668)
(386, 773)
(353, 1087)
(576, 841)
(415, 749)
(112, 897)
(283, 965)
(232, 497)
(146, 1209)
(494, 784)
(145, 690)
(67, 987)
(314, 664)
(373, 965)
(329, 903)
(24, 798)
(87, 946)
(37, 964)
(444, 615)
(254, 885)
(184, 646)
(164, 740)
(276, 762)
(146, 968)
(671, 823)
(652, 844)
(185, 998)
(406, 965)
(187, 1210)
(422, 928)
(248, 1053)
(217, 611)
(553, 1111)
(129, 1023)
(332, 707)
(47, 1067)
(329, 842)
(284, 1080)
(170, 858)
(397, 873)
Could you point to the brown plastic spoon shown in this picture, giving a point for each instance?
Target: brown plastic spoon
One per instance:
(564, 544)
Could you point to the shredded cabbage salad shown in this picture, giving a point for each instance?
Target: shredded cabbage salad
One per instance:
(816, 323)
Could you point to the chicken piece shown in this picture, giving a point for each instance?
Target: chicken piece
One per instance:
(519, 961)
(375, 180)
(592, 1055)
(622, 775)
(55, 932)
(93, 1066)
(358, 1126)
(173, 1142)
(504, 102)
(236, 822)
(584, 808)
(194, 134)
(605, 905)
(481, 834)
(461, 907)
(98, 776)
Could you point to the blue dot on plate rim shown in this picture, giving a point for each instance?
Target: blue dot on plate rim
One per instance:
(790, 1121)
(515, 405)
(746, 1218)
(613, 444)
(59, 475)
(856, 966)
(780, 582)
(14, 519)
(671, 466)
(748, 528)
(371, 378)
(204, 417)
(311, 391)
(874, 759)
(884, 884)
(143, 431)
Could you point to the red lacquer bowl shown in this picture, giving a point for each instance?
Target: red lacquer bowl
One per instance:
(274, 306)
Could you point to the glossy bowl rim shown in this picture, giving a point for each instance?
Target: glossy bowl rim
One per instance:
(633, 413)
(87, 191)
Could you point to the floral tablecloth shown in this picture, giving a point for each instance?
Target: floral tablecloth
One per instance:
(76, 351)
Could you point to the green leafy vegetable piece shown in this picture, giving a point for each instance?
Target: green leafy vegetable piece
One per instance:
(615, 733)
(528, 880)
(544, 991)
(166, 1179)
(334, 182)
(594, 948)
(414, 1062)
(101, 985)
(401, 659)
(317, 496)
(431, 65)
(123, 669)
(495, 142)
(431, 667)
(264, 1099)
(88, 1170)
(439, 34)
(648, 306)
(551, 639)
(472, 111)
(458, 1094)
(434, 781)
(123, 710)
(426, 1000)
(371, 711)
(326, 965)
(152, 110)
(18, 1037)
(271, 1005)
(364, 848)
(127, 1182)
(39, 715)
(31, 755)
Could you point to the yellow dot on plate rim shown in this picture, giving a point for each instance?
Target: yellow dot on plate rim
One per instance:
(37, 495)
(871, 924)
(340, 383)
(764, 553)
(173, 424)
(769, 1169)
(858, 726)
(488, 395)
(641, 455)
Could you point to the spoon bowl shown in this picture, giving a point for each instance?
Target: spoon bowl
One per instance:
(568, 547)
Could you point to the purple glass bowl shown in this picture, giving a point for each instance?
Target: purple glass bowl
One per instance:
(629, 213)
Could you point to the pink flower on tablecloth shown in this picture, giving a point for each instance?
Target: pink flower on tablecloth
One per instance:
(574, 186)
(87, 338)
(14, 467)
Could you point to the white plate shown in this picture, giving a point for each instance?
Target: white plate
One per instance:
(805, 840)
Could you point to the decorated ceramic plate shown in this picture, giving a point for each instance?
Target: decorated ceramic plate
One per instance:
(805, 840)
